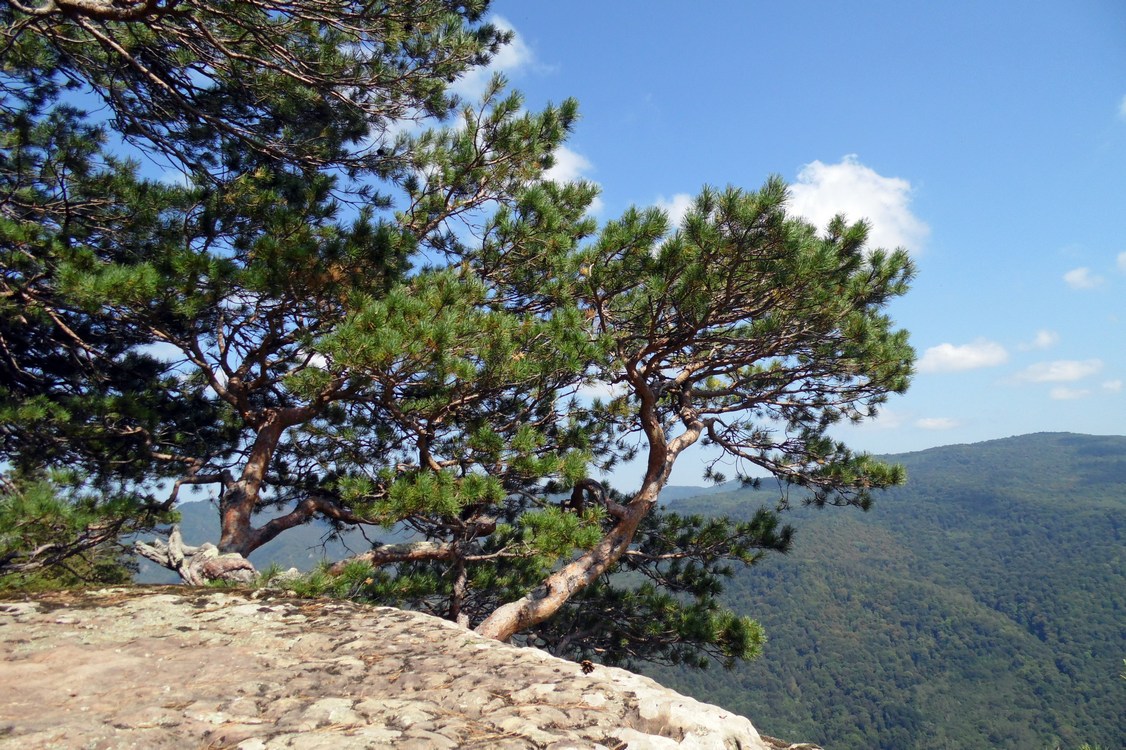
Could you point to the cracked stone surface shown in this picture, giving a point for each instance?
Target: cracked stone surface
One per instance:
(174, 667)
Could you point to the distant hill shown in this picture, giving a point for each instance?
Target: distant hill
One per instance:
(981, 605)
(674, 492)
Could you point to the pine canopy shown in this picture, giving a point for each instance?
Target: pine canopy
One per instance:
(361, 301)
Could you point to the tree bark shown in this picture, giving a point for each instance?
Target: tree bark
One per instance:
(404, 552)
(197, 566)
(240, 498)
(547, 598)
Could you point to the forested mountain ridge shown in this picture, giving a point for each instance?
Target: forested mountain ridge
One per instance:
(980, 605)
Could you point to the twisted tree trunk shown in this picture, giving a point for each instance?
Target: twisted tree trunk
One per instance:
(549, 597)
(197, 566)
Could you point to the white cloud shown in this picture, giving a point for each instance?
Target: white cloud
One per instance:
(1044, 339)
(1082, 278)
(1114, 386)
(937, 423)
(951, 358)
(1061, 371)
(571, 165)
(675, 207)
(1122, 262)
(1122, 109)
(1063, 393)
(510, 59)
(824, 190)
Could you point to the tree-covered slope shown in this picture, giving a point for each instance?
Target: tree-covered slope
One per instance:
(981, 605)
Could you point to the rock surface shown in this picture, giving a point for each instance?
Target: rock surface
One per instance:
(182, 667)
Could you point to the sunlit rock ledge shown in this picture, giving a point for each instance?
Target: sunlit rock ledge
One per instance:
(159, 667)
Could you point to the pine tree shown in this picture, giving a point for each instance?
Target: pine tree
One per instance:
(746, 328)
(397, 330)
(245, 271)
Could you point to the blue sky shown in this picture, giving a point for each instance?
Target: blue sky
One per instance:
(987, 138)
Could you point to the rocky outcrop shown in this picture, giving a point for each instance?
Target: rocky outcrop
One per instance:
(182, 667)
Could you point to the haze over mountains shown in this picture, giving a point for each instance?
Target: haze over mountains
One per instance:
(981, 605)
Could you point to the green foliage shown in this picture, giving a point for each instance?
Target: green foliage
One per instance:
(978, 605)
(435, 493)
(746, 316)
(333, 316)
(268, 304)
(554, 533)
(55, 533)
(78, 391)
(661, 604)
(624, 625)
(232, 85)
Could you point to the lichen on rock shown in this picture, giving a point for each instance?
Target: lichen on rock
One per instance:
(156, 667)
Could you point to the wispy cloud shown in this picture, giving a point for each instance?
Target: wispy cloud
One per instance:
(1122, 262)
(1122, 109)
(1082, 278)
(886, 419)
(1060, 371)
(972, 356)
(1044, 339)
(937, 423)
(602, 390)
(824, 190)
(162, 351)
(1063, 393)
(1113, 386)
(675, 207)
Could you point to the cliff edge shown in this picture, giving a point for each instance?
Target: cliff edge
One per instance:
(174, 667)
